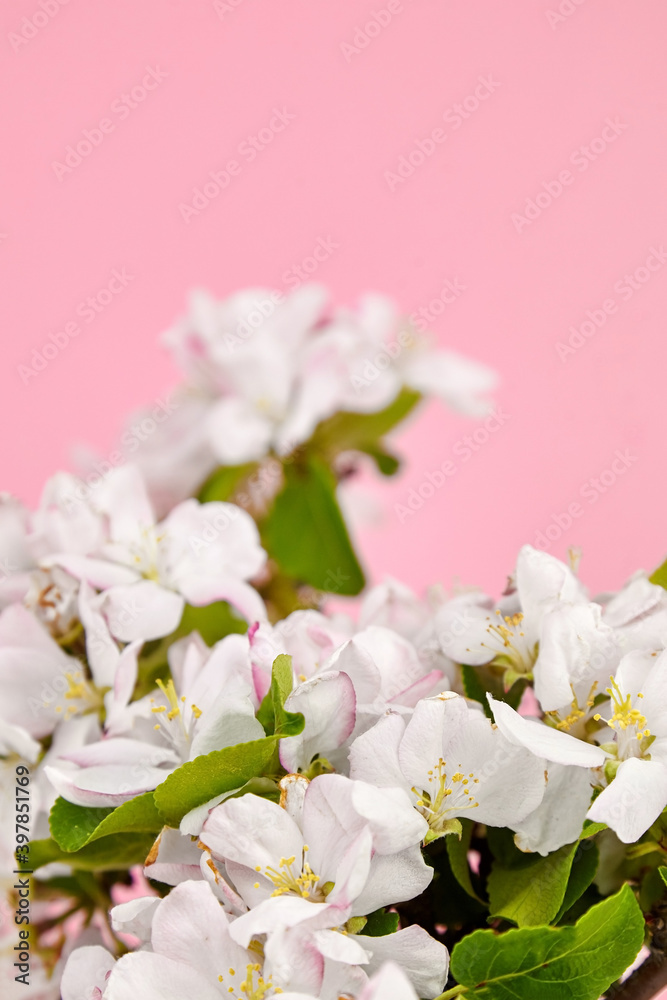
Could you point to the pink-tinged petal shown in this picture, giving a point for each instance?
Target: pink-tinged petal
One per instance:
(192, 927)
(462, 629)
(551, 826)
(421, 688)
(393, 878)
(374, 756)
(104, 786)
(340, 947)
(390, 983)
(156, 977)
(424, 960)
(215, 874)
(121, 750)
(225, 723)
(353, 870)
(634, 799)
(144, 611)
(280, 912)
(116, 701)
(86, 972)
(238, 432)
(252, 831)
(543, 740)
(211, 539)
(135, 917)
(173, 859)
(16, 740)
(293, 959)
(123, 497)
(103, 652)
(244, 598)
(356, 661)
(99, 573)
(422, 746)
(328, 704)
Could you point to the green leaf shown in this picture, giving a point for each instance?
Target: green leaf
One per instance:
(213, 622)
(662, 871)
(272, 714)
(591, 829)
(380, 923)
(532, 895)
(74, 826)
(386, 463)
(222, 484)
(201, 779)
(551, 963)
(584, 867)
(659, 576)
(458, 857)
(107, 854)
(361, 431)
(306, 534)
(478, 680)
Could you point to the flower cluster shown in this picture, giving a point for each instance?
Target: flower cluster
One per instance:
(304, 799)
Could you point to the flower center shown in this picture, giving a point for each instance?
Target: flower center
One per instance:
(286, 879)
(576, 713)
(253, 987)
(447, 797)
(628, 722)
(82, 696)
(508, 641)
(176, 720)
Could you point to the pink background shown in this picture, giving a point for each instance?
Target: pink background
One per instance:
(324, 176)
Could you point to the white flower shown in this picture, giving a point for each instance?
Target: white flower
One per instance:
(204, 707)
(637, 717)
(200, 553)
(453, 762)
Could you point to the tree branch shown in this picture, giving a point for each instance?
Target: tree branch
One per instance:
(645, 982)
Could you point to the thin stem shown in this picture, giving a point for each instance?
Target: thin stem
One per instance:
(456, 991)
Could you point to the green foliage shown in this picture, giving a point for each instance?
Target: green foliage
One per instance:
(72, 826)
(122, 850)
(199, 780)
(305, 533)
(478, 680)
(380, 923)
(659, 576)
(362, 431)
(531, 895)
(457, 849)
(224, 482)
(551, 963)
(272, 714)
